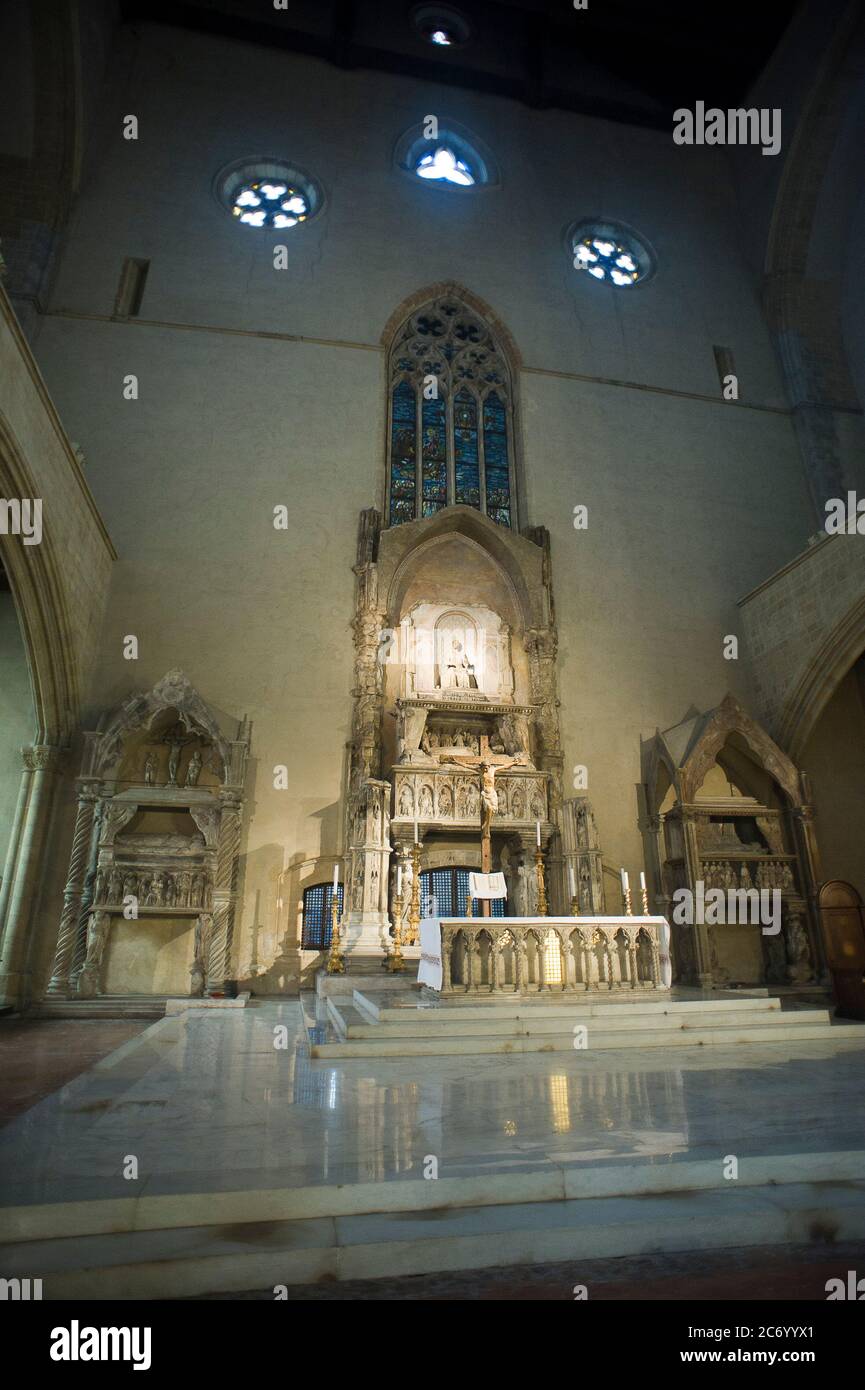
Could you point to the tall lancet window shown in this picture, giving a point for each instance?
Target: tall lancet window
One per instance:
(450, 436)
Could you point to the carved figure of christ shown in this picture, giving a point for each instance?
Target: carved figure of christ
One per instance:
(488, 764)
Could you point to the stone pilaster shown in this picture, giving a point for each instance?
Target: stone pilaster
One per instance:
(24, 860)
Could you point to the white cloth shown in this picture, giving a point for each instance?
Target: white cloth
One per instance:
(429, 971)
(487, 886)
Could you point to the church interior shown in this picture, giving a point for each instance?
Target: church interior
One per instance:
(432, 672)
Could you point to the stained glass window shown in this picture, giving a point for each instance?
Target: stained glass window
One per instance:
(443, 893)
(403, 477)
(496, 460)
(467, 478)
(317, 910)
(611, 254)
(434, 458)
(450, 412)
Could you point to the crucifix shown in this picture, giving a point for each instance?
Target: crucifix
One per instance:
(488, 764)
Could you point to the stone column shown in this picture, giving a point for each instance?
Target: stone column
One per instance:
(224, 896)
(67, 936)
(24, 863)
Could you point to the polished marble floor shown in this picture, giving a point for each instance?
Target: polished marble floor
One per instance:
(208, 1102)
(37, 1056)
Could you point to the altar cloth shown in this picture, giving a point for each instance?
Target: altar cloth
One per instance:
(429, 971)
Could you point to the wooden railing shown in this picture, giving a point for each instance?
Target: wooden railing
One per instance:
(552, 955)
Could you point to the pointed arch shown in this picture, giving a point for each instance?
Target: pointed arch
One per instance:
(451, 420)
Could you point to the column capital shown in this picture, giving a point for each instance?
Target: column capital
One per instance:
(41, 757)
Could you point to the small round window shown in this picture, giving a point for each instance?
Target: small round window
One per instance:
(268, 193)
(610, 253)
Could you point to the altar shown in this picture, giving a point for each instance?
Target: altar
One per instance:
(542, 955)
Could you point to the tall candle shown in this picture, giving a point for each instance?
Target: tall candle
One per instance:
(415, 832)
(642, 880)
(538, 832)
(399, 880)
(335, 877)
(572, 880)
(625, 884)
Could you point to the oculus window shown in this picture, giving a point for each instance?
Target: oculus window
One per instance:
(268, 193)
(442, 154)
(611, 254)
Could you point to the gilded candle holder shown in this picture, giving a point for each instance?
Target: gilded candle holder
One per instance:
(414, 905)
(335, 959)
(542, 887)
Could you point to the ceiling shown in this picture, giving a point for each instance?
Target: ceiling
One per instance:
(626, 60)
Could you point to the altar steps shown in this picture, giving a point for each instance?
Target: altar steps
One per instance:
(368, 1027)
(239, 1256)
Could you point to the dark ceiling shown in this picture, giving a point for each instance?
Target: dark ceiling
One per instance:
(628, 60)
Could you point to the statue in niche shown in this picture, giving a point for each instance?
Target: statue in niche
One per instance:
(193, 771)
(457, 740)
(518, 804)
(459, 673)
(173, 763)
(97, 935)
(130, 886)
(745, 877)
(151, 898)
(425, 803)
(472, 801)
(538, 808)
(787, 878)
(462, 802)
(446, 804)
(406, 801)
(115, 886)
(150, 770)
(183, 882)
(376, 808)
(100, 886)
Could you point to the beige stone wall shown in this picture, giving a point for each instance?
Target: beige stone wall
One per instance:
(260, 387)
(804, 627)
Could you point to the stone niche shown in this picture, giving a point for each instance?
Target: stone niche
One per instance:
(149, 902)
(729, 811)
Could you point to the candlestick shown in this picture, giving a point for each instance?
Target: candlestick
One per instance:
(335, 959)
(469, 905)
(644, 893)
(542, 890)
(415, 833)
(335, 877)
(414, 908)
(395, 962)
(538, 832)
(399, 880)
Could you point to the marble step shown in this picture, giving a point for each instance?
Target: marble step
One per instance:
(353, 1023)
(380, 1008)
(195, 1261)
(789, 1027)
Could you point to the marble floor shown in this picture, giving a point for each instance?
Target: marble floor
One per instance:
(37, 1056)
(208, 1102)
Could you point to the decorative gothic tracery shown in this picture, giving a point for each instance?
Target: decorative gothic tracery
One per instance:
(450, 436)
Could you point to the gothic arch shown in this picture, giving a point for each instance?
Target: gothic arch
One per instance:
(36, 579)
(479, 306)
(821, 678)
(730, 718)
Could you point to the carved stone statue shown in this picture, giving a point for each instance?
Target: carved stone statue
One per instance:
(97, 936)
(489, 795)
(193, 771)
(150, 769)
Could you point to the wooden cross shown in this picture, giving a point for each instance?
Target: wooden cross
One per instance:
(488, 764)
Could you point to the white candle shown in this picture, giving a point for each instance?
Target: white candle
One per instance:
(625, 884)
(399, 879)
(415, 832)
(335, 877)
(572, 880)
(642, 880)
(538, 832)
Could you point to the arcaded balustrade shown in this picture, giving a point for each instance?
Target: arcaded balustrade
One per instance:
(553, 954)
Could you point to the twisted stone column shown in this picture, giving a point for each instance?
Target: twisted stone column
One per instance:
(67, 936)
(224, 891)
